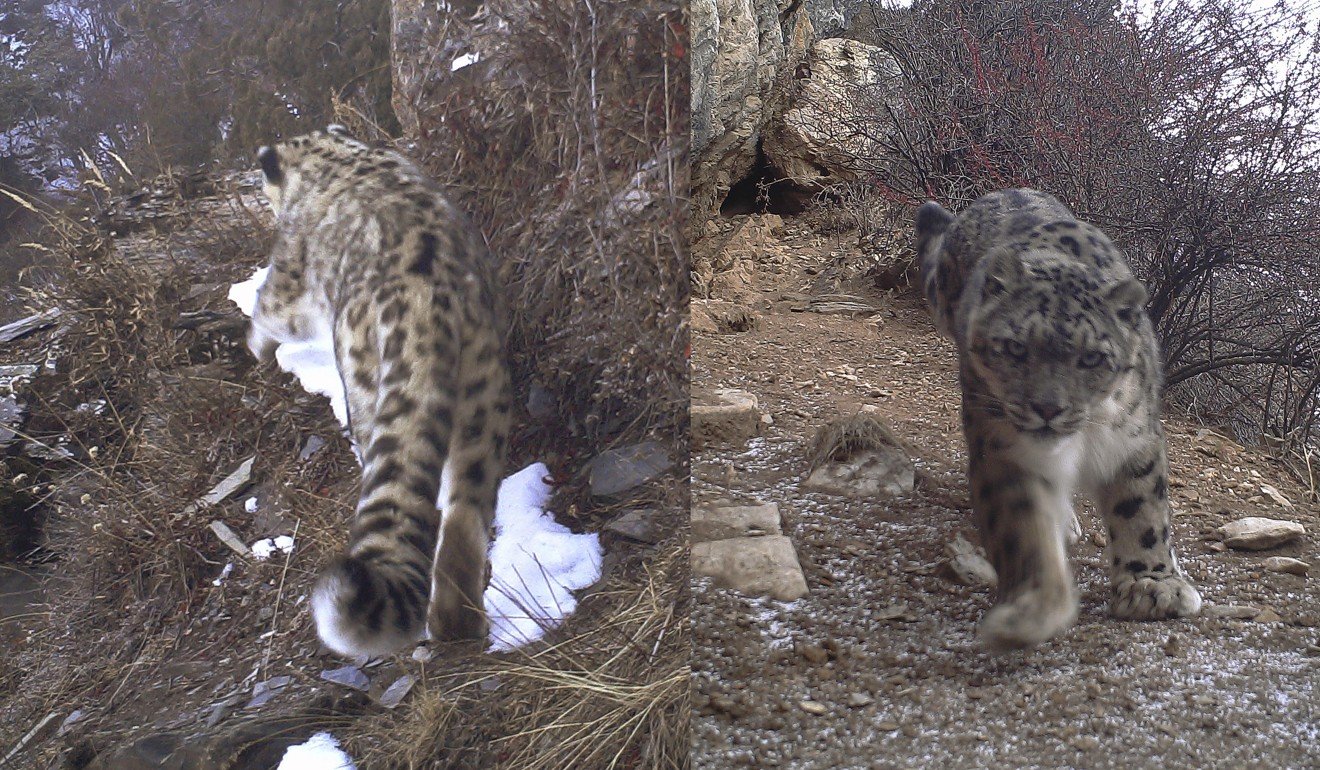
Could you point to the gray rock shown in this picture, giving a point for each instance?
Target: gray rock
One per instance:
(311, 446)
(858, 455)
(25, 326)
(541, 403)
(264, 691)
(755, 566)
(618, 470)
(395, 693)
(12, 414)
(236, 480)
(967, 565)
(1232, 611)
(738, 50)
(13, 375)
(726, 521)
(348, 676)
(723, 416)
(637, 524)
(1256, 533)
(832, 17)
(873, 473)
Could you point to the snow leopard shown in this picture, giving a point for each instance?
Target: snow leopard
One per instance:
(369, 253)
(1060, 376)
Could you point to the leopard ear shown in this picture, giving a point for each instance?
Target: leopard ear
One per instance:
(270, 166)
(1128, 298)
(1003, 272)
(932, 220)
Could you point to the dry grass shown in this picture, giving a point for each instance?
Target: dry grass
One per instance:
(609, 690)
(848, 436)
(153, 415)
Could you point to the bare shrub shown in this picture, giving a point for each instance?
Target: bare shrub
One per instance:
(1190, 134)
(568, 142)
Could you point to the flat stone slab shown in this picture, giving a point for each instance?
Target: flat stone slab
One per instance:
(724, 416)
(756, 566)
(721, 522)
(1256, 533)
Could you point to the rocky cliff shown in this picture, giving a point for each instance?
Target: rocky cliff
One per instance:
(767, 80)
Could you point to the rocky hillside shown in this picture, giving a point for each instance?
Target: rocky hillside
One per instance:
(170, 502)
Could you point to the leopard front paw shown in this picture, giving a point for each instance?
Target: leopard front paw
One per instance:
(1150, 597)
(1029, 618)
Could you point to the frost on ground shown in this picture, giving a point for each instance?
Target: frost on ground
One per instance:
(320, 752)
(536, 563)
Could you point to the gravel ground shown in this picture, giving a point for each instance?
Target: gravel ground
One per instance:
(879, 667)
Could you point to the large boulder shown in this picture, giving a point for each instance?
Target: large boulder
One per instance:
(739, 50)
(833, 127)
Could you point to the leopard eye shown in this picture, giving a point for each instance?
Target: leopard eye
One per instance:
(1014, 349)
(1091, 359)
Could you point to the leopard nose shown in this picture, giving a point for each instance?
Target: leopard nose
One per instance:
(1047, 410)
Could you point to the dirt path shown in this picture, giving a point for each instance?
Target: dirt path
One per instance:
(884, 645)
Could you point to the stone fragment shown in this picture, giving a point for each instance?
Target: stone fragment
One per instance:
(857, 455)
(236, 480)
(1232, 611)
(348, 676)
(1275, 495)
(966, 564)
(1256, 533)
(619, 470)
(24, 326)
(395, 693)
(637, 524)
(869, 474)
(263, 691)
(1286, 565)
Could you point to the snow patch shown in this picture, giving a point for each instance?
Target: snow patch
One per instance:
(264, 549)
(319, 752)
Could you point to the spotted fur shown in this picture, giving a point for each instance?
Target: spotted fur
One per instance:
(1060, 383)
(370, 254)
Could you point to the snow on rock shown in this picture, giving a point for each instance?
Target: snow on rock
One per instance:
(320, 752)
(536, 563)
